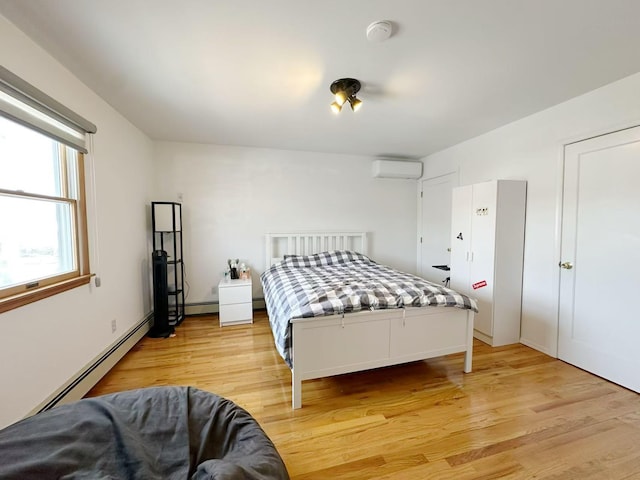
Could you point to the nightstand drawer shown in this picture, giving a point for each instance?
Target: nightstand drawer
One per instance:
(234, 294)
(236, 313)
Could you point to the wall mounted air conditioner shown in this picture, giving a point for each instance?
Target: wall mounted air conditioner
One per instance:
(396, 169)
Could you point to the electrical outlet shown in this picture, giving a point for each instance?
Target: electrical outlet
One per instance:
(114, 326)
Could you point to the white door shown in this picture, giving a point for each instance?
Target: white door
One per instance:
(482, 257)
(436, 226)
(599, 319)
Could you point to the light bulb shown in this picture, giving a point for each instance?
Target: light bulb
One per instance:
(355, 104)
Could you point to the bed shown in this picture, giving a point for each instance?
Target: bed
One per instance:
(333, 310)
(150, 433)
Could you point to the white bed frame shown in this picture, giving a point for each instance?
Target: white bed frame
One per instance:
(337, 344)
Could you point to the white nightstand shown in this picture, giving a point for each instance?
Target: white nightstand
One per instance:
(234, 297)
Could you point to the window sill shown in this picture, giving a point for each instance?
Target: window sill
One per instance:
(25, 298)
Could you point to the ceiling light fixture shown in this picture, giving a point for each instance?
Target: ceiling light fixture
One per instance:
(345, 90)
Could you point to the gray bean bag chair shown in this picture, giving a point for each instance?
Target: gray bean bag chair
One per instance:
(146, 434)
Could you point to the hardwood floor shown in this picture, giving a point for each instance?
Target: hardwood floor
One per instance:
(519, 415)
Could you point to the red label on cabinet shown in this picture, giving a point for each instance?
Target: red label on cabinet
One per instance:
(478, 285)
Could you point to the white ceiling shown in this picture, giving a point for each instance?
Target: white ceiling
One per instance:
(257, 72)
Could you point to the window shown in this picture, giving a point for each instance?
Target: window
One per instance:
(43, 229)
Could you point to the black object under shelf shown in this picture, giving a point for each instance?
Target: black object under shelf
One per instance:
(166, 218)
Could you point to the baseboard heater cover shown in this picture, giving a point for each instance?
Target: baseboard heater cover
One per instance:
(68, 389)
(204, 308)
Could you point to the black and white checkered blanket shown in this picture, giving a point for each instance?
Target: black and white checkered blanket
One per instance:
(339, 282)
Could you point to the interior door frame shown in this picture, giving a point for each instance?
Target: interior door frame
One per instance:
(552, 349)
(420, 184)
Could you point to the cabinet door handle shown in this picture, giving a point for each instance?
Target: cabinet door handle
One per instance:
(566, 265)
(472, 256)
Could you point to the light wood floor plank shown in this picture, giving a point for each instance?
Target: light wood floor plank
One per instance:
(519, 415)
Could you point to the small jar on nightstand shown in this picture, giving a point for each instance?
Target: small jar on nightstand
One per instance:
(235, 302)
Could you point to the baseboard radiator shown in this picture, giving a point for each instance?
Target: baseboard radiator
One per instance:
(204, 308)
(79, 385)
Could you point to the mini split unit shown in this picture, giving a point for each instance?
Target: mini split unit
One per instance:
(396, 169)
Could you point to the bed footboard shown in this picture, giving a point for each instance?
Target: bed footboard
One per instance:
(326, 346)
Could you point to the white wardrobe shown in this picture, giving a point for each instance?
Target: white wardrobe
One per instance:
(487, 248)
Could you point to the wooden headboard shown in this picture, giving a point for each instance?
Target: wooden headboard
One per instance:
(280, 244)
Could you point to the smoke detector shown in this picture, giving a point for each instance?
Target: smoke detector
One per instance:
(379, 31)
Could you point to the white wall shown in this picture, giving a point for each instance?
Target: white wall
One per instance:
(46, 343)
(531, 149)
(232, 196)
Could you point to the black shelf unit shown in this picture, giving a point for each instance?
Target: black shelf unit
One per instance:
(166, 219)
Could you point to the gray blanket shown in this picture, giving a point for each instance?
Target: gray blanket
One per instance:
(153, 433)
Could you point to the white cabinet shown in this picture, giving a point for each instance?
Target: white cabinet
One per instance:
(487, 248)
(234, 297)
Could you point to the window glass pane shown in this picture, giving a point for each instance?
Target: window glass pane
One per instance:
(36, 239)
(28, 160)
(73, 181)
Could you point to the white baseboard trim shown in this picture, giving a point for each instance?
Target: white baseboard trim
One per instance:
(78, 386)
(535, 346)
(205, 308)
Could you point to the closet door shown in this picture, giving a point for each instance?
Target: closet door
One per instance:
(599, 279)
(482, 257)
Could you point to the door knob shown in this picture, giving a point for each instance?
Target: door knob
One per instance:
(566, 265)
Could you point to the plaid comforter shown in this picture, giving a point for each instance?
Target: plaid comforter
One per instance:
(339, 282)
